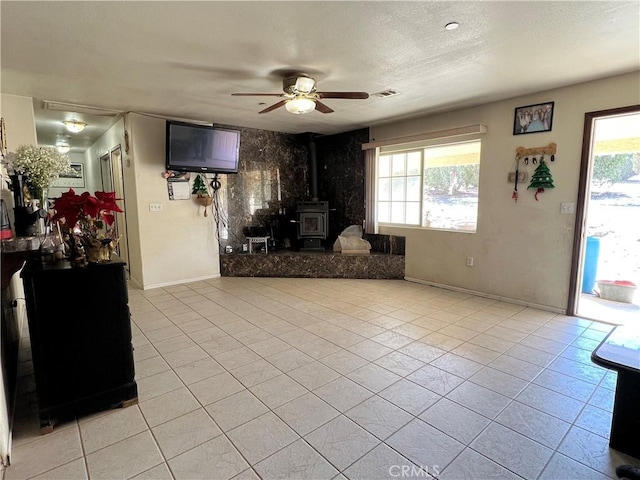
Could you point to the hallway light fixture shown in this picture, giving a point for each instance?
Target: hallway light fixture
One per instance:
(62, 143)
(300, 105)
(62, 148)
(74, 126)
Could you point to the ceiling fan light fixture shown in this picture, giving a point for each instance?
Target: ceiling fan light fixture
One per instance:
(300, 105)
(305, 84)
(74, 126)
(300, 96)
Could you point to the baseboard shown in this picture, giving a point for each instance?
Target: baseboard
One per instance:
(500, 298)
(179, 282)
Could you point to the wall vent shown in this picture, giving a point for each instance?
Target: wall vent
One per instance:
(72, 107)
(386, 93)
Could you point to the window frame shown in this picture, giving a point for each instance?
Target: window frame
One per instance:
(421, 147)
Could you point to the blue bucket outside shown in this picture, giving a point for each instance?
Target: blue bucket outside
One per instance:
(590, 264)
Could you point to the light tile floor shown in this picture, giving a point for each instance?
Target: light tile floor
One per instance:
(251, 378)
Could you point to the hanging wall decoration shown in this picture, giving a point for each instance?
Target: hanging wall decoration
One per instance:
(533, 156)
(202, 193)
(536, 153)
(177, 184)
(533, 118)
(541, 179)
(73, 178)
(517, 178)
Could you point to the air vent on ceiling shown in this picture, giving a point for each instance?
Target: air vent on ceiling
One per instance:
(72, 107)
(386, 93)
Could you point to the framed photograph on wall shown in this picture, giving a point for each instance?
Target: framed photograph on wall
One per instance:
(533, 118)
(73, 178)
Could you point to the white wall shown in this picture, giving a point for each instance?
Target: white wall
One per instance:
(19, 120)
(20, 130)
(522, 250)
(177, 244)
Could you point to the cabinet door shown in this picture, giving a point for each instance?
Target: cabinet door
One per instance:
(102, 335)
(80, 332)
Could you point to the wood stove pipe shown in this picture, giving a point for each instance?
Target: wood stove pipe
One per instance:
(313, 168)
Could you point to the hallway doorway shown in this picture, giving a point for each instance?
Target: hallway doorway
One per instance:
(606, 260)
(111, 172)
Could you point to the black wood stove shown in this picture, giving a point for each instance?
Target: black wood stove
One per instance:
(313, 224)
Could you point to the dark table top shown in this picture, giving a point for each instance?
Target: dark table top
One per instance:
(620, 350)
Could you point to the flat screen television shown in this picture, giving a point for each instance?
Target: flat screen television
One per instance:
(199, 148)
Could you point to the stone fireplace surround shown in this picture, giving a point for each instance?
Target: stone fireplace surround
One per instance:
(275, 174)
(277, 171)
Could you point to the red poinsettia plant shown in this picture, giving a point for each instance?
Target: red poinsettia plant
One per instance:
(90, 216)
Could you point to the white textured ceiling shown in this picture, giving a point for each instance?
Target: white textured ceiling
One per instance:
(184, 59)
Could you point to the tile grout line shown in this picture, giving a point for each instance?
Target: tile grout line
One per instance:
(346, 348)
(299, 436)
(342, 414)
(223, 433)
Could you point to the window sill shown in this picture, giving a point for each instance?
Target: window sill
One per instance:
(433, 229)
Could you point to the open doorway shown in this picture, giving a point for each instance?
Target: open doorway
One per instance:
(113, 181)
(606, 261)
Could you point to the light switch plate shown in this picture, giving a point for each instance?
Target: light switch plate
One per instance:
(155, 207)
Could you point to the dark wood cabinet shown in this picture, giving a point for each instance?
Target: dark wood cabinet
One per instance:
(80, 332)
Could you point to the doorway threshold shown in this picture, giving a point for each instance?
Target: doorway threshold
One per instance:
(608, 311)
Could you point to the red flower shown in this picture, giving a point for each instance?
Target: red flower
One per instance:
(108, 204)
(86, 207)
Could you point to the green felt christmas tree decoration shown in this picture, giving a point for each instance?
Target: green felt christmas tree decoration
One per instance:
(541, 179)
(199, 188)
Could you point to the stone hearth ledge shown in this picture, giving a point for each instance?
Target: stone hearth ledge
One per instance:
(290, 264)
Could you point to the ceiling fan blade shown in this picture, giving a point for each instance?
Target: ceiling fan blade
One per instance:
(350, 95)
(274, 106)
(257, 94)
(321, 107)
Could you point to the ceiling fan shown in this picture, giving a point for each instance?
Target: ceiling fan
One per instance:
(300, 95)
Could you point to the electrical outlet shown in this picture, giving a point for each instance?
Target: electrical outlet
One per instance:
(469, 261)
(155, 207)
(567, 208)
